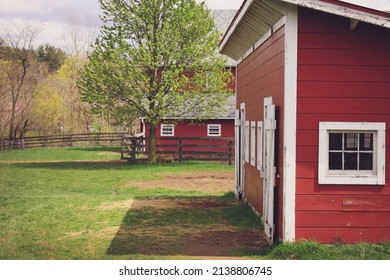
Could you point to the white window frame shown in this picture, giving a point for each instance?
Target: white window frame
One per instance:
(246, 138)
(253, 143)
(260, 147)
(165, 126)
(214, 126)
(352, 177)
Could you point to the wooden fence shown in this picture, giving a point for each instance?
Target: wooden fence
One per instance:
(68, 140)
(180, 148)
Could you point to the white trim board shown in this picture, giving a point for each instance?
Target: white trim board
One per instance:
(290, 123)
(342, 11)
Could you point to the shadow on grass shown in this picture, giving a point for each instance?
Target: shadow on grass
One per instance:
(191, 226)
(116, 149)
(76, 165)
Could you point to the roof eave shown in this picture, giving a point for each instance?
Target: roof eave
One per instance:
(235, 45)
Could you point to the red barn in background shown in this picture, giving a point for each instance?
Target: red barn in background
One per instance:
(313, 115)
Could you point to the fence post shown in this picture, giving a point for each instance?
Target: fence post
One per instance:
(122, 142)
(180, 149)
(133, 149)
(230, 152)
(22, 143)
(2, 144)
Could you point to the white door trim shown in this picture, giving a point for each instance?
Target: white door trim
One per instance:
(290, 123)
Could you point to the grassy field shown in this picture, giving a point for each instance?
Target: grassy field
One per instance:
(82, 203)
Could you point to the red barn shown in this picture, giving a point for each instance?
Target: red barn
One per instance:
(221, 125)
(313, 112)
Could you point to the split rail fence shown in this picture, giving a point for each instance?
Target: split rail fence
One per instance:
(67, 140)
(134, 148)
(180, 149)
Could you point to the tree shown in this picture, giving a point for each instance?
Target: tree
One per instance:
(77, 116)
(23, 74)
(156, 59)
(47, 110)
(52, 56)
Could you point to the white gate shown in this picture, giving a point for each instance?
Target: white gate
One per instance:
(269, 168)
(240, 151)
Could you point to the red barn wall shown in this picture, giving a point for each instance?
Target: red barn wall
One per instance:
(343, 75)
(188, 129)
(261, 75)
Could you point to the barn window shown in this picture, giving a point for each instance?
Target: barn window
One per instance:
(167, 130)
(253, 143)
(213, 130)
(351, 153)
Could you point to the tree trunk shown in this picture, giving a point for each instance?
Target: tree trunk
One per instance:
(152, 143)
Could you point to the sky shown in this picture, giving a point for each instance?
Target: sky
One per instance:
(57, 16)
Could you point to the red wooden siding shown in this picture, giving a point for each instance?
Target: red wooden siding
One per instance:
(343, 76)
(261, 75)
(187, 129)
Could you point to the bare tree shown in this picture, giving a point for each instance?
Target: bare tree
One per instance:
(23, 73)
(79, 35)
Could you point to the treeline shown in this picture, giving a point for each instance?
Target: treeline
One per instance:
(38, 90)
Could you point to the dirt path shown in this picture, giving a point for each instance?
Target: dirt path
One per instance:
(199, 227)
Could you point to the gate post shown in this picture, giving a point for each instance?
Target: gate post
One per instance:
(180, 149)
(133, 149)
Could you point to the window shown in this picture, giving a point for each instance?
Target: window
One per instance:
(253, 143)
(213, 130)
(260, 146)
(351, 153)
(167, 130)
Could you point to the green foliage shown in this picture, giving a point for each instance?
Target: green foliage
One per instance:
(47, 109)
(156, 59)
(52, 56)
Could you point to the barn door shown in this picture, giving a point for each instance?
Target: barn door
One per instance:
(269, 168)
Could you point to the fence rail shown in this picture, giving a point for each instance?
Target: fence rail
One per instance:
(180, 148)
(66, 140)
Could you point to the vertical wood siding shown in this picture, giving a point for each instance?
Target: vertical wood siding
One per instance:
(343, 76)
(261, 75)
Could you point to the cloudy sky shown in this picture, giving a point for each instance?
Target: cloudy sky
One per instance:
(56, 15)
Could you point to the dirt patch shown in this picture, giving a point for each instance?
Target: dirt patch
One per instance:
(196, 228)
(208, 181)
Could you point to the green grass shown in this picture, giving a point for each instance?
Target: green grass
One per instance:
(309, 250)
(54, 206)
(77, 153)
(54, 209)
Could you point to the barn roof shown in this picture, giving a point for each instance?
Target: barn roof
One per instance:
(256, 17)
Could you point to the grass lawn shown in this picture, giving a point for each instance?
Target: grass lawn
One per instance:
(82, 203)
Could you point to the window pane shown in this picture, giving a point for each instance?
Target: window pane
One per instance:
(366, 140)
(335, 161)
(350, 161)
(365, 161)
(351, 141)
(335, 141)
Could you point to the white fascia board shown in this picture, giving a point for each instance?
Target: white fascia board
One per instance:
(342, 11)
(290, 123)
(238, 19)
